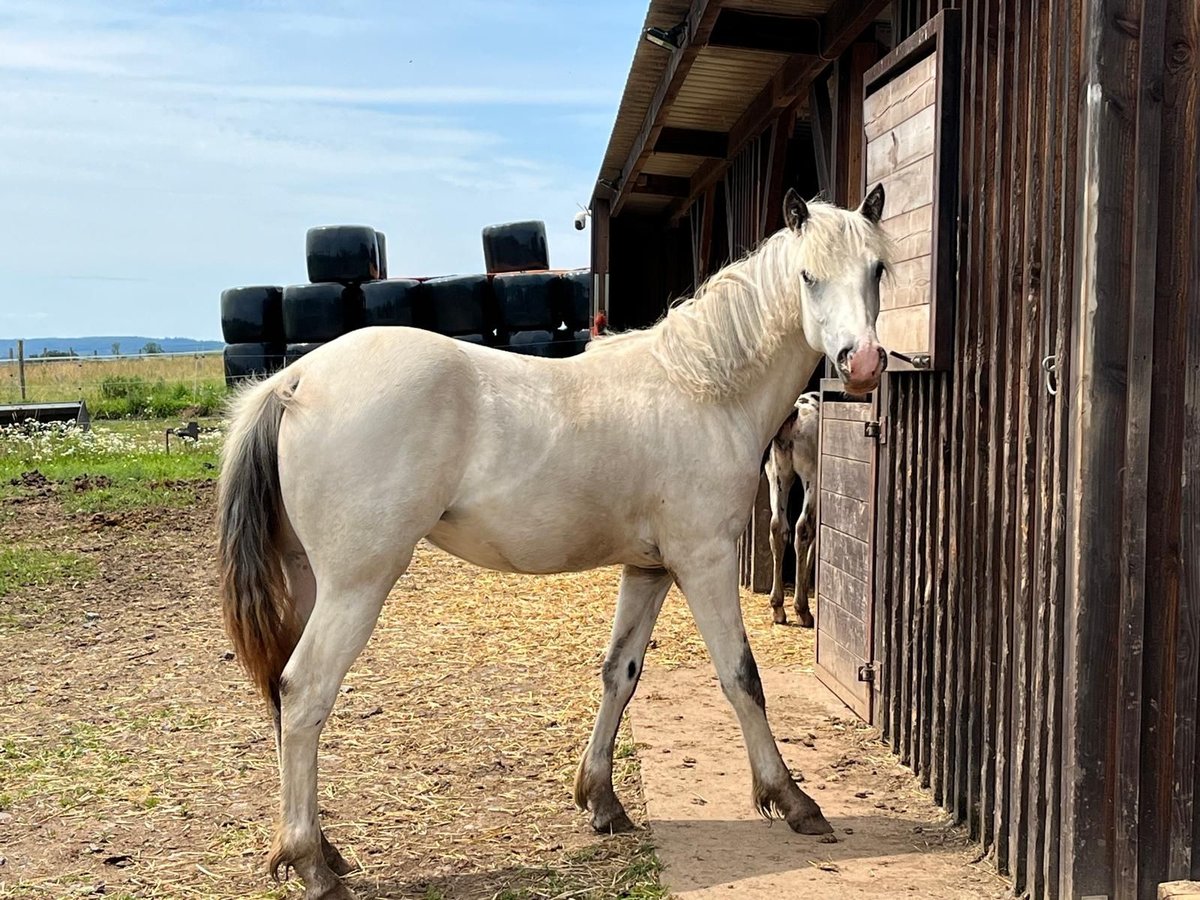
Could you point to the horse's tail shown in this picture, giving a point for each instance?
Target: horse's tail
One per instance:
(258, 612)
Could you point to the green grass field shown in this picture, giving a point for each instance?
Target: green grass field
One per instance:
(151, 386)
(115, 465)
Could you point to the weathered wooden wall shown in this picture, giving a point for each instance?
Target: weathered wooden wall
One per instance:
(1038, 579)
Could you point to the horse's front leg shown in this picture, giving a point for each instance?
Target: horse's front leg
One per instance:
(709, 579)
(638, 604)
(780, 478)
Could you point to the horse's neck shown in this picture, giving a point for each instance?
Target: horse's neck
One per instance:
(770, 397)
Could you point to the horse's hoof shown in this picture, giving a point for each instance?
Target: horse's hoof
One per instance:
(779, 615)
(813, 823)
(806, 619)
(335, 892)
(615, 823)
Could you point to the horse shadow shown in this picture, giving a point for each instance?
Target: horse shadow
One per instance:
(719, 852)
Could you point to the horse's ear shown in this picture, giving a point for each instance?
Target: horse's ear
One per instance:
(795, 210)
(872, 207)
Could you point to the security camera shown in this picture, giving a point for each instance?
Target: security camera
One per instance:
(581, 220)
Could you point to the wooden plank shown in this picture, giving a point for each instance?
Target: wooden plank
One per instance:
(1027, 637)
(1068, 41)
(847, 439)
(762, 569)
(909, 188)
(849, 592)
(1179, 277)
(910, 141)
(944, 682)
(900, 99)
(905, 330)
(920, 595)
(905, 434)
(846, 514)
(964, 436)
(842, 626)
(911, 233)
(854, 411)
(1137, 653)
(844, 552)
(847, 477)
(907, 284)
(840, 674)
(1044, 184)
(1100, 325)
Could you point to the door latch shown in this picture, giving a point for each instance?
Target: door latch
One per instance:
(866, 673)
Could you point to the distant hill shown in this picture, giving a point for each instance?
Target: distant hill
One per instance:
(102, 345)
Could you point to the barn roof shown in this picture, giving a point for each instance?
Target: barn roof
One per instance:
(685, 112)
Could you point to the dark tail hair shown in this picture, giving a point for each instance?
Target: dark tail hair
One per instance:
(258, 612)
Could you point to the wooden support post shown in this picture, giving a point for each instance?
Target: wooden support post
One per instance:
(21, 367)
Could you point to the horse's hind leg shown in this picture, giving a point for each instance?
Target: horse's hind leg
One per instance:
(638, 604)
(709, 580)
(302, 587)
(342, 619)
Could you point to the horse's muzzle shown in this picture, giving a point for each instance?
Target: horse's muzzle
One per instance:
(861, 368)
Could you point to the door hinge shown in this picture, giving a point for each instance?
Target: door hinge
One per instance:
(866, 672)
(876, 430)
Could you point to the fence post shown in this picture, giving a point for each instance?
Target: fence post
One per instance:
(21, 367)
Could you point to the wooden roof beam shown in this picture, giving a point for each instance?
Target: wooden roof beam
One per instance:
(700, 19)
(662, 185)
(740, 30)
(692, 142)
(844, 22)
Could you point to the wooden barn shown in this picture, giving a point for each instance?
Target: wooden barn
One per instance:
(1009, 545)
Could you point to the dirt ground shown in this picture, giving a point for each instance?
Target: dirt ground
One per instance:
(136, 762)
(890, 839)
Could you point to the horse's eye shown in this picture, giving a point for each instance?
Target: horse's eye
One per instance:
(879, 270)
(807, 276)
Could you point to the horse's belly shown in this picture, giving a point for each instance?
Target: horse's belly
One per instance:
(534, 548)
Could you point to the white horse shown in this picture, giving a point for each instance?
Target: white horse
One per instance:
(337, 466)
(793, 453)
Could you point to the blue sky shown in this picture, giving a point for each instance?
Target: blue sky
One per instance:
(155, 153)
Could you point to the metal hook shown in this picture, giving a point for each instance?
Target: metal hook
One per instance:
(1050, 367)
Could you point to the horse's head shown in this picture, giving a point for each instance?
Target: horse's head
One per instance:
(840, 256)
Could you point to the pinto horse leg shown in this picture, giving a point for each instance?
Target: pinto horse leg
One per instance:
(341, 622)
(709, 580)
(805, 542)
(780, 478)
(638, 604)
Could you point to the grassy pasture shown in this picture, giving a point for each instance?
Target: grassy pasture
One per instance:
(150, 386)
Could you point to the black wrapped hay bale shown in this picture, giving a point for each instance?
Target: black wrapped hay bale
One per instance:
(575, 299)
(295, 351)
(315, 313)
(531, 343)
(570, 343)
(345, 254)
(252, 315)
(392, 302)
(516, 247)
(526, 300)
(460, 305)
(251, 359)
(381, 245)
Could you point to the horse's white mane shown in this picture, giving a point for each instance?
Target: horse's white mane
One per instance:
(711, 344)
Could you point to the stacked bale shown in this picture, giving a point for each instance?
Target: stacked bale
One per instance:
(252, 327)
(519, 304)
